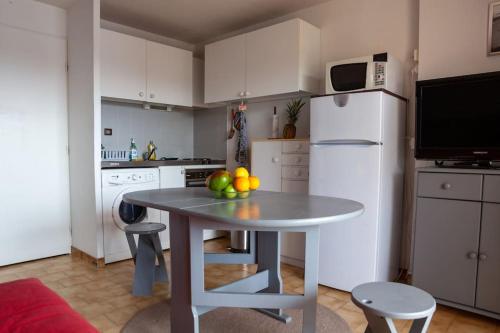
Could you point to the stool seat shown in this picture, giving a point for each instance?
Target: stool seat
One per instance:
(394, 300)
(384, 301)
(145, 228)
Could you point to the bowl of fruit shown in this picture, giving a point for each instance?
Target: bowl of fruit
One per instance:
(236, 185)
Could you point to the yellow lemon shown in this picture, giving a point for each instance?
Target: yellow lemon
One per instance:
(241, 172)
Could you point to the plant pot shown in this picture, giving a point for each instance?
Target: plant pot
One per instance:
(289, 131)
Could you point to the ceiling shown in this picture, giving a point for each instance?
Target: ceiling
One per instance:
(193, 21)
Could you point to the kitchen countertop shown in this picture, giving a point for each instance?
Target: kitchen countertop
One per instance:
(155, 164)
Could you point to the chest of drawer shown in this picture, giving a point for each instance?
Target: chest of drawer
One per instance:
(295, 147)
(450, 186)
(295, 159)
(294, 172)
(491, 192)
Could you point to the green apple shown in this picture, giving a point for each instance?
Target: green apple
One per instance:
(230, 192)
(219, 180)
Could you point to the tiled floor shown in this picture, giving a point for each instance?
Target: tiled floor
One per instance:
(103, 295)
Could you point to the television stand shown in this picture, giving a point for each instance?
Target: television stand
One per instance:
(468, 165)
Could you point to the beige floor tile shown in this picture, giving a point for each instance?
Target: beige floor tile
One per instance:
(103, 296)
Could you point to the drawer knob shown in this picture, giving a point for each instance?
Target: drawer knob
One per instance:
(299, 159)
(275, 160)
(472, 255)
(446, 186)
(483, 256)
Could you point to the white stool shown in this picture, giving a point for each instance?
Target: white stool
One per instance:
(384, 301)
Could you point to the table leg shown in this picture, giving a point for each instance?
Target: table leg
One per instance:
(311, 263)
(268, 258)
(144, 275)
(182, 318)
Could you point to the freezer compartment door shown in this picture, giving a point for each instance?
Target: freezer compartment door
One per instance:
(356, 116)
(348, 249)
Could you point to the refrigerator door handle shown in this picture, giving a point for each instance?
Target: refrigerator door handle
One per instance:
(346, 142)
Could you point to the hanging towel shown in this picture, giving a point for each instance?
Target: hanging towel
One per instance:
(240, 123)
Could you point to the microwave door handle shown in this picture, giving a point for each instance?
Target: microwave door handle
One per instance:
(346, 142)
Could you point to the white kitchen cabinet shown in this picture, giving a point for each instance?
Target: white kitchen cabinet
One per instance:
(123, 66)
(169, 75)
(280, 59)
(283, 166)
(135, 69)
(266, 164)
(225, 69)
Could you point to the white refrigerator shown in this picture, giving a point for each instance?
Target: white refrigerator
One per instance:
(357, 152)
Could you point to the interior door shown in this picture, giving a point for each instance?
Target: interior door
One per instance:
(225, 69)
(169, 75)
(347, 249)
(488, 278)
(446, 241)
(34, 200)
(123, 66)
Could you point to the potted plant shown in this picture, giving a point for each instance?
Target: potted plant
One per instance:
(293, 109)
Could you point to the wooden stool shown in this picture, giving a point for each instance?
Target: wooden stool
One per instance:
(145, 255)
(384, 301)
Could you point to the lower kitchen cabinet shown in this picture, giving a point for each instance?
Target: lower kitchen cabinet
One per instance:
(456, 254)
(488, 277)
(170, 177)
(447, 236)
(283, 166)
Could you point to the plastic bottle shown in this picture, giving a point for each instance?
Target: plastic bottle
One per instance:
(275, 127)
(133, 150)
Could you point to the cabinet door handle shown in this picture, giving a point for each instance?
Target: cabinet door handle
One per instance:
(141, 94)
(446, 186)
(472, 255)
(483, 256)
(275, 160)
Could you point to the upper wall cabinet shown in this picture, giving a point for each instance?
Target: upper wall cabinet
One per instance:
(225, 70)
(169, 74)
(136, 69)
(123, 66)
(283, 58)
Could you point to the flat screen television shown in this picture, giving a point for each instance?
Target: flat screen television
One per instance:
(458, 118)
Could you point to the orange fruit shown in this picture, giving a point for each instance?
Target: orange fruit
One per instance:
(254, 182)
(241, 172)
(241, 184)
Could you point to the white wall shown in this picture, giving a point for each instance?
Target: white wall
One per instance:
(84, 106)
(453, 38)
(357, 28)
(172, 132)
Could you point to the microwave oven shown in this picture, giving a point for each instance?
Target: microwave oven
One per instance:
(378, 71)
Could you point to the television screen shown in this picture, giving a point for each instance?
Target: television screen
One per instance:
(458, 118)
